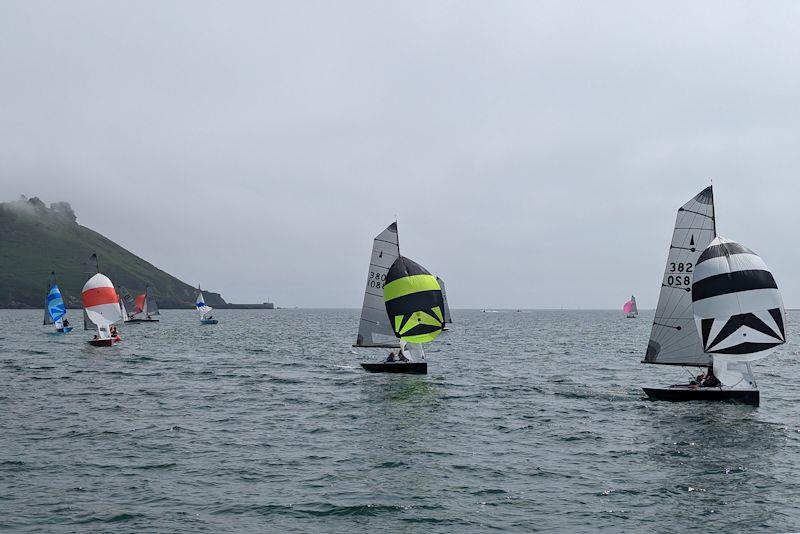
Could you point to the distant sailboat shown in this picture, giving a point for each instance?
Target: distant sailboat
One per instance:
(101, 305)
(145, 304)
(55, 311)
(629, 308)
(719, 308)
(127, 304)
(205, 310)
(415, 306)
(374, 328)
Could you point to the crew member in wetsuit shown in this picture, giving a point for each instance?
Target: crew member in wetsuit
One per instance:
(390, 359)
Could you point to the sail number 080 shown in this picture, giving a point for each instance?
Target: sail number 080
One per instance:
(376, 280)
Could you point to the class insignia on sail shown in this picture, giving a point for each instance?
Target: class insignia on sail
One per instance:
(413, 301)
(737, 307)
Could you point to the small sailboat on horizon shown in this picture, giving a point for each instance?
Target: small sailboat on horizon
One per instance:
(55, 311)
(629, 308)
(719, 309)
(204, 309)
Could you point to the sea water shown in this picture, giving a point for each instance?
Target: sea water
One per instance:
(531, 420)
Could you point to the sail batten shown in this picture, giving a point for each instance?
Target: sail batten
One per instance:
(374, 328)
(674, 339)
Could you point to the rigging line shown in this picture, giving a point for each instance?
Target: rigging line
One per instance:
(698, 213)
(668, 326)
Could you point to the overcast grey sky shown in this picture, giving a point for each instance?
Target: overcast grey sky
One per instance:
(534, 152)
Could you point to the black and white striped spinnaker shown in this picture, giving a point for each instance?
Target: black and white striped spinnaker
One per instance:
(737, 307)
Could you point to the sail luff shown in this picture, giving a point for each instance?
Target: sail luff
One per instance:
(673, 338)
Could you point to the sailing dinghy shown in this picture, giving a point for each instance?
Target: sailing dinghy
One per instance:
(414, 303)
(205, 310)
(719, 308)
(101, 305)
(629, 308)
(55, 312)
(145, 304)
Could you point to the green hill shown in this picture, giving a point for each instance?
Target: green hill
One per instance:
(35, 240)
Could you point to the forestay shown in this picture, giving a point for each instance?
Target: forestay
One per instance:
(673, 338)
(374, 329)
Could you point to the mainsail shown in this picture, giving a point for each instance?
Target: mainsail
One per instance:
(54, 308)
(101, 302)
(150, 306)
(413, 302)
(374, 328)
(447, 317)
(127, 302)
(91, 267)
(674, 339)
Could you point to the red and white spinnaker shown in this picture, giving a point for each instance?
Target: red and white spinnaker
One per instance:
(101, 302)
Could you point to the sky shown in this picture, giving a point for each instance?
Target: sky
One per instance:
(533, 153)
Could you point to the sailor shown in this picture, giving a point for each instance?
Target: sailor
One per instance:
(401, 356)
(66, 323)
(391, 358)
(710, 381)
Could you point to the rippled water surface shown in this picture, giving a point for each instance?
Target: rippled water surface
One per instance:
(265, 422)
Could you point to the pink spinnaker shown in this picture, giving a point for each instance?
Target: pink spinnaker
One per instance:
(628, 307)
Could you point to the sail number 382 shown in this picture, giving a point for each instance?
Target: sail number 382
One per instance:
(376, 280)
(679, 279)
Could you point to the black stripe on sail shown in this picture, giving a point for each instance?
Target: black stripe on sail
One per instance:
(724, 249)
(778, 317)
(737, 321)
(725, 283)
(706, 325)
(746, 348)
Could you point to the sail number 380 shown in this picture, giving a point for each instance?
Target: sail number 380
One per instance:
(376, 280)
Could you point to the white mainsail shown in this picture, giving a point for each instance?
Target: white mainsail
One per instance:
(446, 312)
(738, 310)
(674, 339)
(374, 329)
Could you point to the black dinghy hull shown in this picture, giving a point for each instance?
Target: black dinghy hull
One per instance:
(684, 393)
(129, 321)
(414, 368)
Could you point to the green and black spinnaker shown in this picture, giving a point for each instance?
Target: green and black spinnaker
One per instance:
(413, 301)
